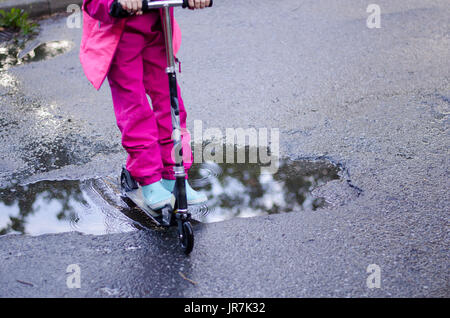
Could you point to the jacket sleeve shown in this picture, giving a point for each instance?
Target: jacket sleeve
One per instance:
(99, 10)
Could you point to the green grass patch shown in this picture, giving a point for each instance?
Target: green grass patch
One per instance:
(17, 19)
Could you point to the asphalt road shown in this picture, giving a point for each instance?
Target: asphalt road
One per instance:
(374, 100)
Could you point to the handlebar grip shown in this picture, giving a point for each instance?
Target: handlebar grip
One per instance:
(117, 11)
(186, 4)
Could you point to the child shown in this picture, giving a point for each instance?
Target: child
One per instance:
(131, 53)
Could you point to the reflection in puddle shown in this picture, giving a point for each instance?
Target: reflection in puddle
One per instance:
(56, 206)
(240, 190)
(11, 54)
(95, 207)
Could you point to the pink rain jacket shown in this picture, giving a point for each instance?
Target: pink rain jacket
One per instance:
(101, 35)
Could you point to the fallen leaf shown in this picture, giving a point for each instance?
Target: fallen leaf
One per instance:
(185, 278)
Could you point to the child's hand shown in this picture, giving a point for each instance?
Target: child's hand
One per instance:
(132, 6)
(199, 4)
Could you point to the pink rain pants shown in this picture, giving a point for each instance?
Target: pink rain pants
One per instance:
(137, 69)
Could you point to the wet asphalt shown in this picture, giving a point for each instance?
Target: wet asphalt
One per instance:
(375, 101)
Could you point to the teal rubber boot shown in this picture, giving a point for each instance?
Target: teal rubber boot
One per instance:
(193, 197)
(156, 196)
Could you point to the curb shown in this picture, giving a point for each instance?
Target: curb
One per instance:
(36, 8)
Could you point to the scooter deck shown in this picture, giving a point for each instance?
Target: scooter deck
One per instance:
(137, 198)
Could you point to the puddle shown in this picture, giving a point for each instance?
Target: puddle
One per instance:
(95, 207)
(57, 206)
(12, 54)
(6, 35)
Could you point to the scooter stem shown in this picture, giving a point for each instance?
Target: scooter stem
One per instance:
(167, 24)
(180, 174)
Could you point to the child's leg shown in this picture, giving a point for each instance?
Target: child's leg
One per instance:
(157, 87)
(135, 118)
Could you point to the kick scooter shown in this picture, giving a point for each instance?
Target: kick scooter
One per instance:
(178, 215)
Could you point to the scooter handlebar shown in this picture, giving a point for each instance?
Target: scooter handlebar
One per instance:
(117, 11)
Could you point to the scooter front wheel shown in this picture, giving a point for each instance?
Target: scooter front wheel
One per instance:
(186, 237)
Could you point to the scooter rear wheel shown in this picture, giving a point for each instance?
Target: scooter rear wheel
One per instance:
(187, 238)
